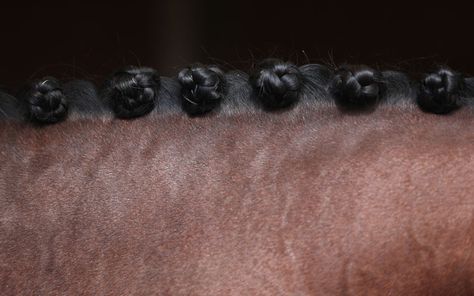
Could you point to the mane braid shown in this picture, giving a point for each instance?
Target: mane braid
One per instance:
(44, 102)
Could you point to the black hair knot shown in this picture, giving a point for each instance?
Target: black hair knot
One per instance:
(357, 87)
(440, 92)
(45, 101)
(202, 89)
(277, 84)
(132, 92)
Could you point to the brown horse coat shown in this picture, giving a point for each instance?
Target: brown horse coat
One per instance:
(307, 202)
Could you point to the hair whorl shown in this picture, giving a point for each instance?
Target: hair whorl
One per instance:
(440, 92)
(45, 101)
(132, 92)
(202, 89)
(357, 87)
(276, 83)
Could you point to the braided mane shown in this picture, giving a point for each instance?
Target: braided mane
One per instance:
(203, 90)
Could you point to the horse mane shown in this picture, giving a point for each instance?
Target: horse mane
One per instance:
(206, 90)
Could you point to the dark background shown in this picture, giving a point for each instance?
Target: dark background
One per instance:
(90, 39)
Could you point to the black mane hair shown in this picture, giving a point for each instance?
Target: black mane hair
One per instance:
(43, 101)
(9, 107)
(277, 84)
(131, 92)
(441, 92)
(357, 87)
(202, 90)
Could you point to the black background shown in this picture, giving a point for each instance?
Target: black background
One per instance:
(90, 39)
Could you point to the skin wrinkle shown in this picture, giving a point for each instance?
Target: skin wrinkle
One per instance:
(306, 202)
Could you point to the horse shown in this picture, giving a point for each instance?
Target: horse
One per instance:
(290, 180)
